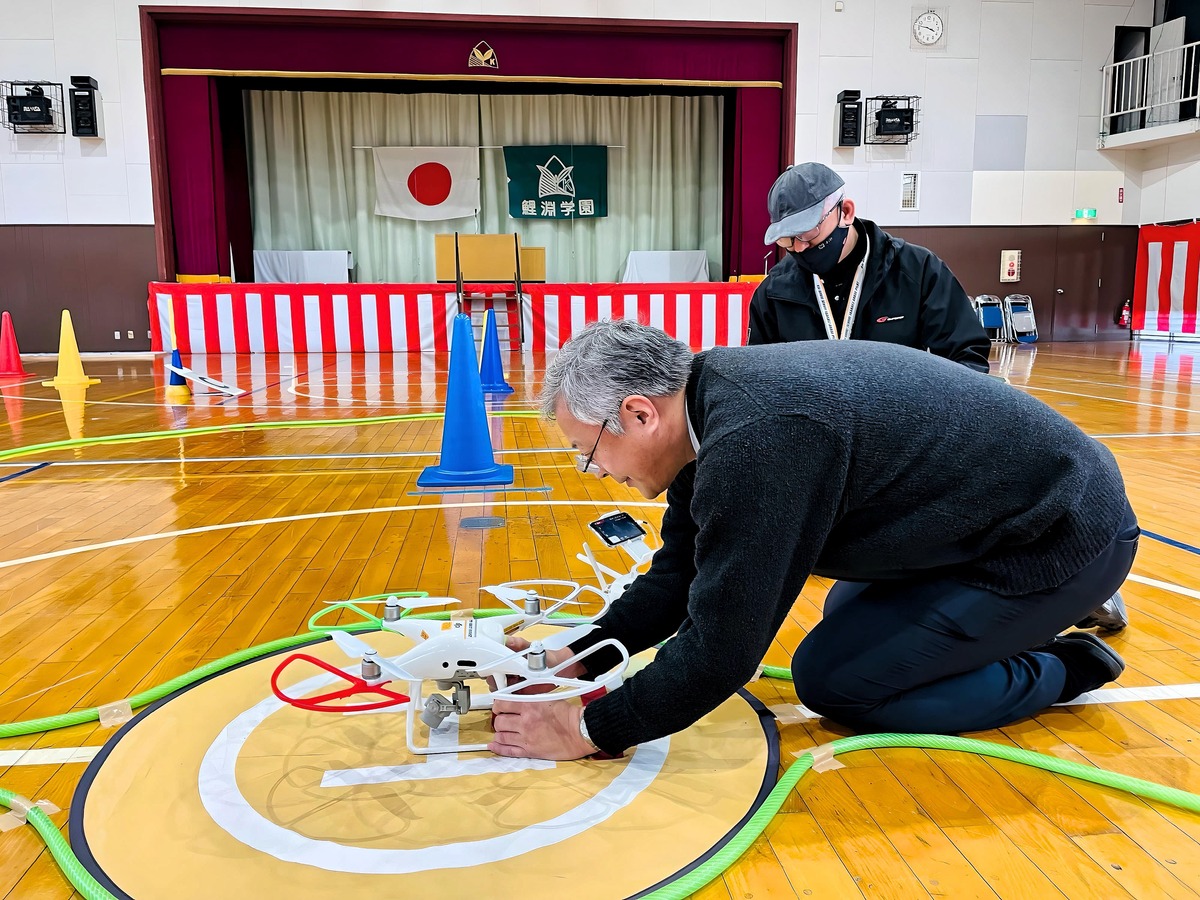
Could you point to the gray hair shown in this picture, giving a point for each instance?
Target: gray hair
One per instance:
(608, 361)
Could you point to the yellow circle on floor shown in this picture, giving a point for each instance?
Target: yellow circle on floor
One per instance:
(221, 790)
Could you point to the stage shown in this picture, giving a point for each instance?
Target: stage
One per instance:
(391, 318)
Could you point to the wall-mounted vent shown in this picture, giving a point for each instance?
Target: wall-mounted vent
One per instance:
(910, 193)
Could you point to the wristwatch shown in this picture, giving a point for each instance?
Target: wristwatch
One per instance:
(583, 732)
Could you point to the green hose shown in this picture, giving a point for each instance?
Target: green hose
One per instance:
(79, 716)
(70, 865)
(368, 623)
(684, 886)
(712, 867)
(136, 437)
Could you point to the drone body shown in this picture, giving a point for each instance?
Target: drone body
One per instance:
(453, 652)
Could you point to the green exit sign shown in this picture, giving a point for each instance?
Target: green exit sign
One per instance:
(1085, 214)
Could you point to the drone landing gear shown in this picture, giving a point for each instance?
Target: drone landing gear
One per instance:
(436, 708)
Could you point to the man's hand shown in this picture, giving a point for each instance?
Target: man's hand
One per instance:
(545, 730)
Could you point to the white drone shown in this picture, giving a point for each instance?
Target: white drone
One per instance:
(452, 652)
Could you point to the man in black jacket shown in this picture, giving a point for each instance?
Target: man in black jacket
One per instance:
(845, 277)
(960, 552)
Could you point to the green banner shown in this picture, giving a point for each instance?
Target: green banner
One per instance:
(557, 181)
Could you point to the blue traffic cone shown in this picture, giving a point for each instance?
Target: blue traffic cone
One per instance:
(466, 459)
(491, 373)
(175, 378)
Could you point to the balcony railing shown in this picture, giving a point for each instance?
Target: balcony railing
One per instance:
(1156, 89)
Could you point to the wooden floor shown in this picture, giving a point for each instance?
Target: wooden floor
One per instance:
(125, 564)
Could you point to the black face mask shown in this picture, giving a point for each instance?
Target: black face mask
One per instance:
(819, 259)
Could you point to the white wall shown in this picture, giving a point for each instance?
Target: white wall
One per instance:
(1009, 106)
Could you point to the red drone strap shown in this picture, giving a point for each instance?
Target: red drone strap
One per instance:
(321, 702)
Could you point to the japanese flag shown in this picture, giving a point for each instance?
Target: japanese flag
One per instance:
(426, 183)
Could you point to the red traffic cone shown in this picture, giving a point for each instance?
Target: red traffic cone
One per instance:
(10, 356)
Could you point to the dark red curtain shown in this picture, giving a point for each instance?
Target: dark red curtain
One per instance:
(205, 140)
(194, 172)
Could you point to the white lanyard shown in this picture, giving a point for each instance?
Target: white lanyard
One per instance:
(691, 431)
(851, 305)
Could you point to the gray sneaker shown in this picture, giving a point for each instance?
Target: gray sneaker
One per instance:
(1110, 618)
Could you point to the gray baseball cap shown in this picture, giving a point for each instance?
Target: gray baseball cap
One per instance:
(797, 199)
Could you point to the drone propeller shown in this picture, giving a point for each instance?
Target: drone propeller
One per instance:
(404, 602)
(350, 645)
(356, 648)
(512, 596)
(564, 638)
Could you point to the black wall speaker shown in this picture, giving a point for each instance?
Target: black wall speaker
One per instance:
(85, 117)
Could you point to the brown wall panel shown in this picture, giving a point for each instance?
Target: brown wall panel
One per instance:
(1067, 258)
(98, 272)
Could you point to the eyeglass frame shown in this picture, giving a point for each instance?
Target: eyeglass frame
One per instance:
(584, 463)
(812, 232)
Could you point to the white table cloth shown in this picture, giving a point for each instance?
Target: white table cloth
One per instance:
(303, 266)
(666, 266)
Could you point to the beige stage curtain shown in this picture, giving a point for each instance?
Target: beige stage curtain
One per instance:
(311, 191)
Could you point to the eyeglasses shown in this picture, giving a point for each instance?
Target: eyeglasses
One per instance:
(584, 463)
(787, 243)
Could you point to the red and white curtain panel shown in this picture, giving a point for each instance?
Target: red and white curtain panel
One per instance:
(700, 315)
(1165, 286)
(300, 318)
(387, 318)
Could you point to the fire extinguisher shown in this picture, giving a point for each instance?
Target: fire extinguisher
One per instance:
(1125, 317)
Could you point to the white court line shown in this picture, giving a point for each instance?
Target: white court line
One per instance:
(1109, 695)
(54, 756)
(1164, 585)
(1147, 434)
(1115, 400)
(380, 404)
(385, 774)
(1128, 695)
(174, 461)
(304, 517)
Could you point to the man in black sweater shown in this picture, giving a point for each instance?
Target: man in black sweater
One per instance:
(845, 277)
(966, 522)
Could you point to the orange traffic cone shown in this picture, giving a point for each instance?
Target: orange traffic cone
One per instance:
(70, 366)
(10, 356)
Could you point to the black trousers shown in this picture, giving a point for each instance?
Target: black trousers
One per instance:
(939, 656)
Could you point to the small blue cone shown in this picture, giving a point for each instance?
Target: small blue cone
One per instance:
(491, 373)
(175, 378)
(466, 459)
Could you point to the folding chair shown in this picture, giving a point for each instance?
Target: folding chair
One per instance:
(1022, 326)
(990, 310)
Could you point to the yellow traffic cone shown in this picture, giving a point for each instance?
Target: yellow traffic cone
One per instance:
(70, 366)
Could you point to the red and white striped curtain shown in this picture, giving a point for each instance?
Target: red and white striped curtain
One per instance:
(1165, 286)
(416, 318)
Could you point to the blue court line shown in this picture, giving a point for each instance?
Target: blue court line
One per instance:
(24, 472)
(1174, 543)
(545, 489)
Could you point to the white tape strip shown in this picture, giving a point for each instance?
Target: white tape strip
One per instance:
(117, 713)
(823, 758)
(790, 713)
(19, 812)
(757, 675)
